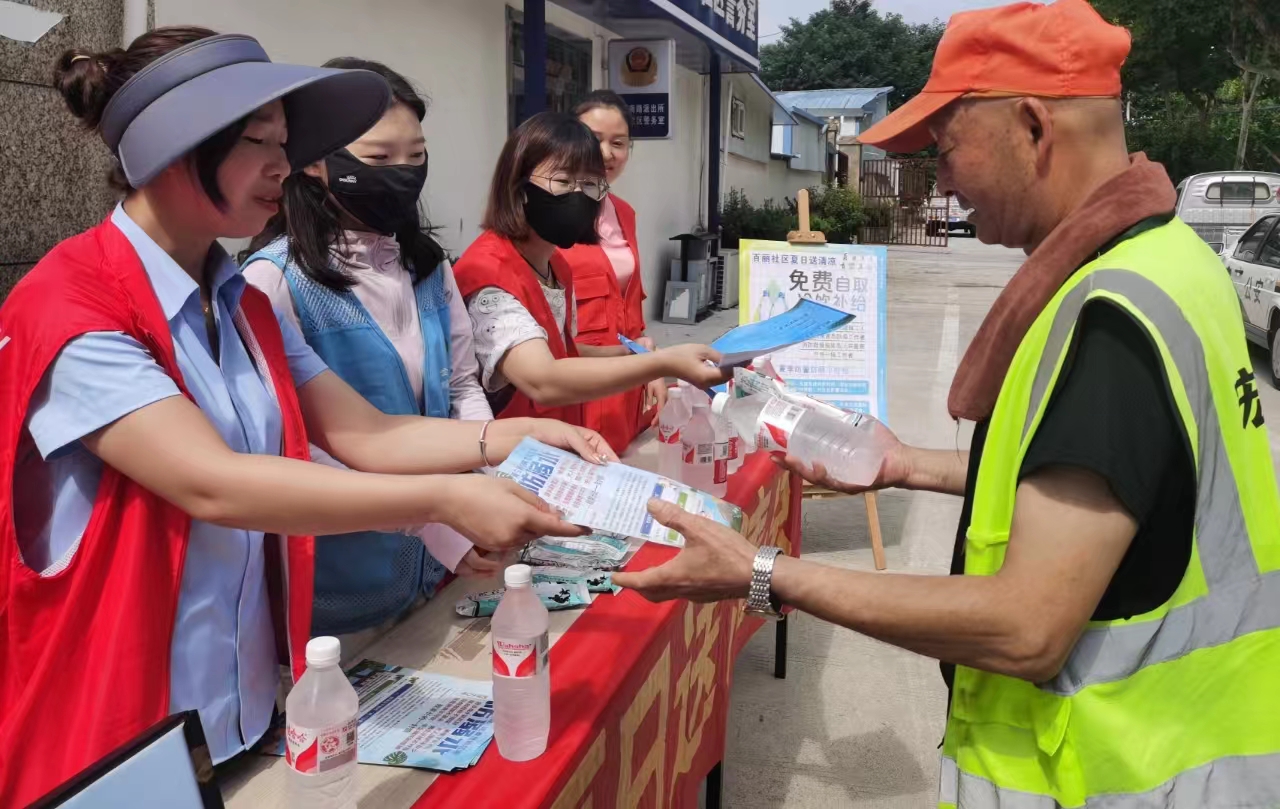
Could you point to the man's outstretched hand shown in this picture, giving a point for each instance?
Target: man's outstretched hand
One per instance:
(715, 564)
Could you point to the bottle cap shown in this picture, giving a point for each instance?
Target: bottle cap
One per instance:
(675, 393)
(323, 651)
(518, 576)
(719, 403)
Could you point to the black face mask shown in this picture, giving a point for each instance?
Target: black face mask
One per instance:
(564, 220)
(383, 197)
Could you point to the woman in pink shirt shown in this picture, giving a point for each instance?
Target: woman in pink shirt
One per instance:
(606, 280)
(350, 262)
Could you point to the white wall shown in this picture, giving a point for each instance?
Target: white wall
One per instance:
(810, 142)
(773, 180)
(759, 120)
(455, 52)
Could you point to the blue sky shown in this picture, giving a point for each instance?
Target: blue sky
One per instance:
(773, 13)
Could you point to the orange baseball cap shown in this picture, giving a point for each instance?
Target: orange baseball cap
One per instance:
(1061, 50)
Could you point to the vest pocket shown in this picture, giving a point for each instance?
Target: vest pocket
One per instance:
(596, 321)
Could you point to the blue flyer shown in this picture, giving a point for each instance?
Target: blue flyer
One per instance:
(807, 320)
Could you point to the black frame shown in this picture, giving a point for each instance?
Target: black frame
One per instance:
(201, 762)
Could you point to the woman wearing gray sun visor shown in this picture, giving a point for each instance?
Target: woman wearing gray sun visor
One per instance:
(156, 506)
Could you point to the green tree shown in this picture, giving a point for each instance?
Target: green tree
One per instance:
(851, 44)
(1197, 82)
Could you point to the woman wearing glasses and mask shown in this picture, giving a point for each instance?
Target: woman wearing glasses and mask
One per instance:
(607, 283)
(545, 197)
(349, 262)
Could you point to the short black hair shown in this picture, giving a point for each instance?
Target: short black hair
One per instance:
(556, 136)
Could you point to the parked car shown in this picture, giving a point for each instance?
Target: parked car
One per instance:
(946, 216)
(1254, 265)
(1216, 203)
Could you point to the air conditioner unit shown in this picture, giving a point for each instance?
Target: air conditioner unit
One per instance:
(725, 284)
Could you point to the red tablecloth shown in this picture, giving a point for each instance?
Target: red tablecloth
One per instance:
(639, 691)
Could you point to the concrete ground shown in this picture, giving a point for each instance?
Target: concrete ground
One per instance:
(857, 723)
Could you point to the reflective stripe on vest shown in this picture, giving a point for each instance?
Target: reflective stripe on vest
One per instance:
(1239, 601)
(1243, 781)
(1172, 708)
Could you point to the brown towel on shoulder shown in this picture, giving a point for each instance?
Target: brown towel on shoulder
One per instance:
(1141, 191)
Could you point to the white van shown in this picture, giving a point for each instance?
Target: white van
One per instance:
(1223, 202)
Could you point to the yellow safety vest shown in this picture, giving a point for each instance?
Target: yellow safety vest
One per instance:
(1178, 707)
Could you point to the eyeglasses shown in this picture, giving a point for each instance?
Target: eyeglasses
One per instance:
(559, 186)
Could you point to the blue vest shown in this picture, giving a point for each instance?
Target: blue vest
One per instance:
(366, 578)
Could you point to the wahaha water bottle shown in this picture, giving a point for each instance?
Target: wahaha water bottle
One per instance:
(521, 673)
(698, 443)
(675, 414)
(321, 717)
(850, 445)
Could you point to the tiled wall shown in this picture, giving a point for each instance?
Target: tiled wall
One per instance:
(52, 173)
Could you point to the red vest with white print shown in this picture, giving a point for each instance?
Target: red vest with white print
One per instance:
(84, 652)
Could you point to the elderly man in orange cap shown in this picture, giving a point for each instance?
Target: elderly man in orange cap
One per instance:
(1111, 630)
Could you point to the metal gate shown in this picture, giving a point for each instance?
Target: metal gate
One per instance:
(899, 203)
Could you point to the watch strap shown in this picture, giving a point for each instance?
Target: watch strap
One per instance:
(760, 595)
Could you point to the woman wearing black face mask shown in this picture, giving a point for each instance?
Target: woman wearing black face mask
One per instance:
(349, 261)
(545, 196)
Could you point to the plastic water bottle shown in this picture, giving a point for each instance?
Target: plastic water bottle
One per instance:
(675, 414)
(521, 671)
(850, 445)
(322, 714)
(724, 450)
(698, 443)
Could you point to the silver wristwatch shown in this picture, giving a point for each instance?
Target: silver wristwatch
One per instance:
(760, 601)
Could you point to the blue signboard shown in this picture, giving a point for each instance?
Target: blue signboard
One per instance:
(640, 71)
(730, 25)
(733, 21)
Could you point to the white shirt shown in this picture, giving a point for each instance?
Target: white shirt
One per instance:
(500, 323)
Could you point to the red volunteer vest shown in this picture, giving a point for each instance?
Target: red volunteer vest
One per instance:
(493, 261)
(605, 311)
(84, 653)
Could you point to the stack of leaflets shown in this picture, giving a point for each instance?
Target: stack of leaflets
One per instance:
(412, 718)
(609, 498)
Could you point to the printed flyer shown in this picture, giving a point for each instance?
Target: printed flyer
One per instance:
(611, 498)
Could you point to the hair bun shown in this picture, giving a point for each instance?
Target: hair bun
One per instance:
(82, 79)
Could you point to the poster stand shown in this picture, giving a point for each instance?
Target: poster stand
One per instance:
(807, 237)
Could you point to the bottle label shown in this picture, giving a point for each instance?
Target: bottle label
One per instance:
(312, 751)
(735, 447)
(668, 435)
(721, 470)
(520, 657)
(777, 421)
(700, 453)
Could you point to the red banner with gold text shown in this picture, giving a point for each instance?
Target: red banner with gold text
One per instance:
(639, 691)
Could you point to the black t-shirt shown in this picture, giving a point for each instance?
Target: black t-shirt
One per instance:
(1111, 412)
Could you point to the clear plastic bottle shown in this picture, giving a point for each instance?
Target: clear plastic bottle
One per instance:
(675, 414)
(521, 669)
(851, 445)
(698, 443)
(322, 715)
(723, 455)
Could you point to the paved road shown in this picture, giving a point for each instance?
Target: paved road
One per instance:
(857, 723)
